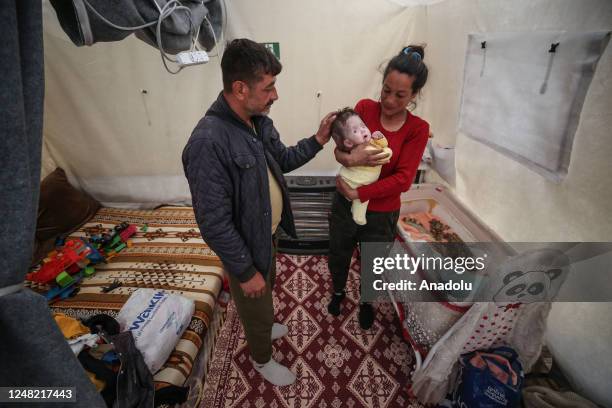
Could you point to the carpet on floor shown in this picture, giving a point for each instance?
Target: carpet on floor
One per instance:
(337, 363)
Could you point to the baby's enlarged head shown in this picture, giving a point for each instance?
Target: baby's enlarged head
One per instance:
(348, 130)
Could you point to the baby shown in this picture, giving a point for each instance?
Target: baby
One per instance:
(349, 131)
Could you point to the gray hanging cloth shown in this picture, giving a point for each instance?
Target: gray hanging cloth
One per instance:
(90, 21)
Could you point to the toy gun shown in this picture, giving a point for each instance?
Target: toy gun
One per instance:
(66, 259)
(94, 256)
(119, 240)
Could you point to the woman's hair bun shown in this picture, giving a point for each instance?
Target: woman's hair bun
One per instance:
(411, 50)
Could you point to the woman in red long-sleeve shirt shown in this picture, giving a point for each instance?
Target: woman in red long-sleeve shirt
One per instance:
(407, 135)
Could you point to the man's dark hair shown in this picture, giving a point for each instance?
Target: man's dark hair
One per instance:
(338, 129)
(247, 61)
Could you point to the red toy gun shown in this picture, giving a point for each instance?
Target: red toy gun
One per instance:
(66, 259)
(127, 233)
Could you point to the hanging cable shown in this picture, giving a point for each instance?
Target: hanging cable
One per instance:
(164, 12)
(218, 55)
(167, 10)
(219, 43)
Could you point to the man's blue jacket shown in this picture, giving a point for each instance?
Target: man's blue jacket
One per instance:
(225, 164)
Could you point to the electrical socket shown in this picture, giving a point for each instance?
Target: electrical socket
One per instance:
(188, 58)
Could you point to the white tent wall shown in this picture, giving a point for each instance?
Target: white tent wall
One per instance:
(47, 164)
(119, 143)
(124, 146)
(517, 203)
(334, 47)
(94, 101)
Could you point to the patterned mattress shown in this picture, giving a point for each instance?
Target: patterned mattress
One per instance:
(170, 255)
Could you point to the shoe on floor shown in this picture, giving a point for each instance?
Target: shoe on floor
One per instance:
(333, 307)
(278, 331)
(275, 373)
(366, 315)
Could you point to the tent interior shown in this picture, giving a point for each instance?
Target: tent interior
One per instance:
(117, 122)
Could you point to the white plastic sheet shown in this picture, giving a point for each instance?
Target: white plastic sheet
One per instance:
(524, 99)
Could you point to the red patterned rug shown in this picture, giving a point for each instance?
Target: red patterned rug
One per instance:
(336, 362)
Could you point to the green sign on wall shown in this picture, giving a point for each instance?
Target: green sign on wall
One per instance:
(274, 47)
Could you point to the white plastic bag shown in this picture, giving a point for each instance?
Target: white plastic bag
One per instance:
(157, 320)
(444, 162)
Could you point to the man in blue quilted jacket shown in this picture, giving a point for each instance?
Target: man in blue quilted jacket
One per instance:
(234, 162)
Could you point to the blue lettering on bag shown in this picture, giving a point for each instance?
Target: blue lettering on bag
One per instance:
(142, 316)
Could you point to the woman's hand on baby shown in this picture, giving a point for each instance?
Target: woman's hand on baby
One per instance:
(324, 133)
(346, 190)
(364, 155)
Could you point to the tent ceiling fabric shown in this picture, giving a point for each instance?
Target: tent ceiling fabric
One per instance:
(412, 3)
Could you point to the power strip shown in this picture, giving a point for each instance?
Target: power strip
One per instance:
(188, 58)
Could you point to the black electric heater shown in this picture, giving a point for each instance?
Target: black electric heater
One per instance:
(311, 200)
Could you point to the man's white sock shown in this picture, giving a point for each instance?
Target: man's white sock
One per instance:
(275, 373)
(278, 331)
